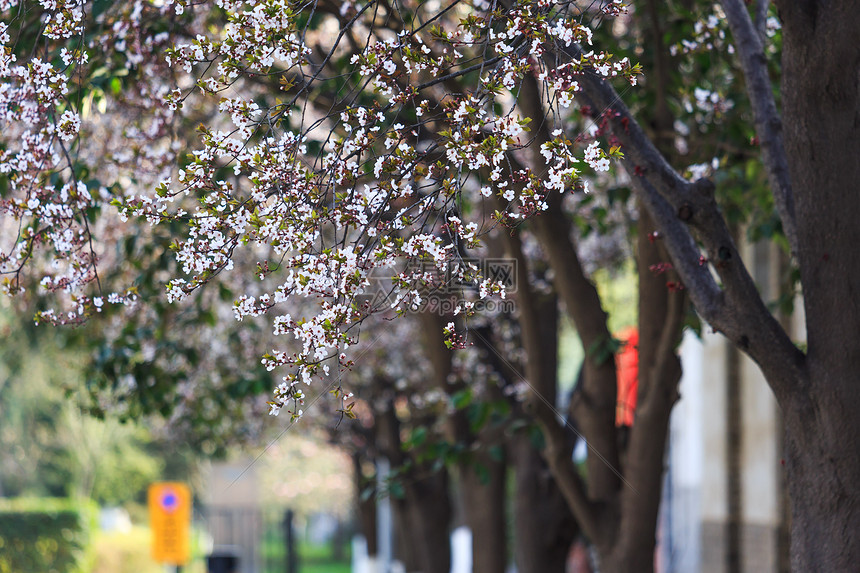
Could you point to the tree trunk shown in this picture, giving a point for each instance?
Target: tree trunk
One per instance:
(823, 472)
(821, 101)
(366, 504)
(482, 477)
(428, 517)
(660, 323)
(423, 510)
(544, 527)
(660, 319)
(403, 543)
(422, 521)
(484, 505)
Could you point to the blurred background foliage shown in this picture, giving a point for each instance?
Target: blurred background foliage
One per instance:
(48, 444)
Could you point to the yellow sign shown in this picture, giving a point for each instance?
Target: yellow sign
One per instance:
(170, 521)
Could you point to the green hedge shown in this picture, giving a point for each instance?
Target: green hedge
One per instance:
(45, 535)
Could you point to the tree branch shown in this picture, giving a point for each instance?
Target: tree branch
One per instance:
(761, 18)
(737, 309)
(768, 123)
(553, 229)
(557, 452)
(596, 411)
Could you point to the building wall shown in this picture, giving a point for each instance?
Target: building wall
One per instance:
(231, 511)
(724, 506)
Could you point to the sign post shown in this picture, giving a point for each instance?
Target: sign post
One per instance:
(170, 521)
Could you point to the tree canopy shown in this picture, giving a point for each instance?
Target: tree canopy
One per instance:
(323, 163)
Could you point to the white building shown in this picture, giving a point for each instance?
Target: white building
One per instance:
(724, 505)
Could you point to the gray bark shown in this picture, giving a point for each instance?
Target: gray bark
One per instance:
(821, 107)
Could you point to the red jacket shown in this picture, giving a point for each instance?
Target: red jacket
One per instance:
(627, 370)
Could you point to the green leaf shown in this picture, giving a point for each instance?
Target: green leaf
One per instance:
(418, 437)
(461, 399)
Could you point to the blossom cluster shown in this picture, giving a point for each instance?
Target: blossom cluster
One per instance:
(331, 145)
(709, 34)
(56, 180)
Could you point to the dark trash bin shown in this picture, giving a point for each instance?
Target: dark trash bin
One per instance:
(223, 560)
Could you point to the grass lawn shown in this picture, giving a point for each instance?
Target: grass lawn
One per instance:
(324, 568)
(312, 558)
(318, 559)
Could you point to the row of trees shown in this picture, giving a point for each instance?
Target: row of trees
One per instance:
(337, 141)
(49, 446)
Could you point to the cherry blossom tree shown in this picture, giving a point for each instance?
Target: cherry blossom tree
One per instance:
(340, 140)
(815, 393)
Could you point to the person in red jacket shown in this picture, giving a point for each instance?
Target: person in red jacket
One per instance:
(627, 373)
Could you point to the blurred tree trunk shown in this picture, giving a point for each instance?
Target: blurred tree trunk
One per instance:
(427, 509)
(421, 503)
(544, 525)
(544, 528)
(483, 494)
(482, 477)
(365, 493)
